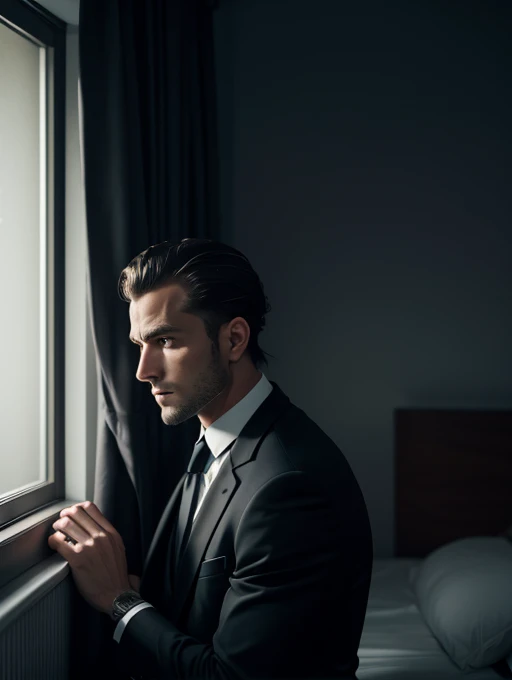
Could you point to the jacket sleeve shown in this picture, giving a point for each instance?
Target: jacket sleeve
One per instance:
(296, 601)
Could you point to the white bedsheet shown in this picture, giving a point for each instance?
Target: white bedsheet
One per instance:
(396, 643)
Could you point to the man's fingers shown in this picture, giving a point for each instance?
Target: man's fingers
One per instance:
(87, 515)
(81, 517)
(59, 542)
(92, 510)
(71, 529)
(86, 510)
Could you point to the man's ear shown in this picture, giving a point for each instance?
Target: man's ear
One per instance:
(238, 334)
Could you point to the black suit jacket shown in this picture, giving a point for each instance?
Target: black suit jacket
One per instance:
(274, 580)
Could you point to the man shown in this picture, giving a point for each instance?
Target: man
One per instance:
(261, 564)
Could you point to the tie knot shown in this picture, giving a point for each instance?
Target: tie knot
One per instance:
(201, 457)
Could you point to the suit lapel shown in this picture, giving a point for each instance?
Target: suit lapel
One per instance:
(157, 550)
(209, 515)
(221, 493)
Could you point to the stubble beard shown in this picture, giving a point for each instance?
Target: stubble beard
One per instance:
(209, 384)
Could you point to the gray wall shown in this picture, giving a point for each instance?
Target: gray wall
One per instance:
(365, 166)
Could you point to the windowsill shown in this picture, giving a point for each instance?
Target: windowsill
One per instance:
(24, 543)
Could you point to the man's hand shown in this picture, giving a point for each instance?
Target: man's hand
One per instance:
(97, 559)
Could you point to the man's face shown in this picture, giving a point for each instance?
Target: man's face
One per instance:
(177, 357)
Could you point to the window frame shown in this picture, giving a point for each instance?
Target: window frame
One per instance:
(29, 17)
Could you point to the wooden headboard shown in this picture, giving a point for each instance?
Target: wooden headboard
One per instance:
(453, 477)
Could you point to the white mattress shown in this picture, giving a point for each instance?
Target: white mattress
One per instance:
(396, 643)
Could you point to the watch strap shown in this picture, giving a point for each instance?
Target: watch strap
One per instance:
(123, 603)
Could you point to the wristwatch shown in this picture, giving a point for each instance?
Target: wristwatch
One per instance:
(123, 603)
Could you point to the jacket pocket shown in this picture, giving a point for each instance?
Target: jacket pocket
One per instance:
(216, 565)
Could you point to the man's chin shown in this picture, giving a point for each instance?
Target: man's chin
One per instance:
(173, 416)
(170, 417)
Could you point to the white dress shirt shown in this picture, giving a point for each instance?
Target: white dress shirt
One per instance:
(220, 437)
(221, 434)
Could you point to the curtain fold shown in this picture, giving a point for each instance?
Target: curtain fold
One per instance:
(150, 160)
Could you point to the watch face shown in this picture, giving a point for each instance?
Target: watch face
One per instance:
(123, 603)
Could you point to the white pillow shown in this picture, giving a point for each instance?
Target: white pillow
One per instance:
(464, 592)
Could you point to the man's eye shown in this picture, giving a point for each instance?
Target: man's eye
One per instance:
(166, 342)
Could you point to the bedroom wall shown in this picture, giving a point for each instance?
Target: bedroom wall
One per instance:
(365, 170)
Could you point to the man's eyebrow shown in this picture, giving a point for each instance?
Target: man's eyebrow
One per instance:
(164, 329)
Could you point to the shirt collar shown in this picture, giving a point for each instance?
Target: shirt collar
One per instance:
(223, 432)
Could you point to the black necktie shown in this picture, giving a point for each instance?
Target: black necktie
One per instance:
(200, 461)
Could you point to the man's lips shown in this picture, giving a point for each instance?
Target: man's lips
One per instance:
(161, 395)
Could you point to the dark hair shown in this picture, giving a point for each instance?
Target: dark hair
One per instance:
(219, 281)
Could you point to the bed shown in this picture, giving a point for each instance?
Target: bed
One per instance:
(453, 481)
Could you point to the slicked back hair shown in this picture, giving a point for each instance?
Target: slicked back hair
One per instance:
(219, 281)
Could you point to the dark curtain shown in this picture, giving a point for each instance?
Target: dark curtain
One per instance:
(149, 139)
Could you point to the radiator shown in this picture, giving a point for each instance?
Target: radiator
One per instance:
(35, 614)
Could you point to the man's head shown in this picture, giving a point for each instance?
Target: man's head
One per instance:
(196, 310)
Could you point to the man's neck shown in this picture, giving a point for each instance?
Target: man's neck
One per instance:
(243, 381)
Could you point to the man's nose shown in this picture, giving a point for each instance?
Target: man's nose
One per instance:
(148, 369)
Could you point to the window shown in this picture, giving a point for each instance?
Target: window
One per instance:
(32, 53)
